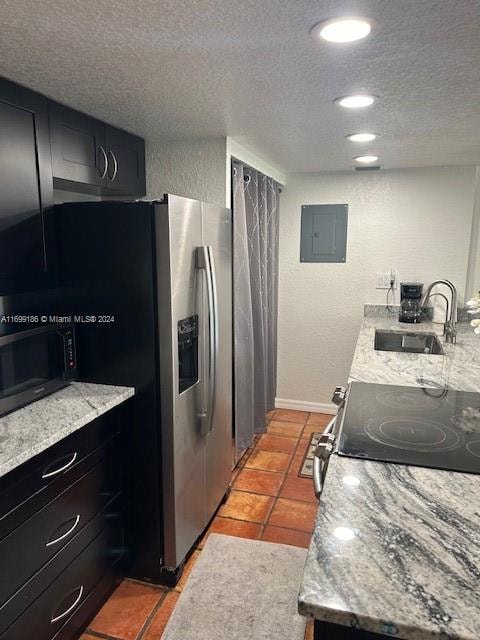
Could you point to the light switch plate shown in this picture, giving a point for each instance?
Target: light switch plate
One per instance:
(383, 280)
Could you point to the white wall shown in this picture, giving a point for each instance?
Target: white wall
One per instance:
(199, 168)
(473, 279)
(192, 168)
(416, 221)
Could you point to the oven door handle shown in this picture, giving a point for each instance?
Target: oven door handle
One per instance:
(320, 457)
(330, 426)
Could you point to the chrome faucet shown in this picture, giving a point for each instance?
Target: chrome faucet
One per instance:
(450, 326)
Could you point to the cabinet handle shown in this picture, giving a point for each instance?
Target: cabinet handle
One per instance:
(55, 472)
(70, 608)
(66, 534)
(105, 162)
(115, 165)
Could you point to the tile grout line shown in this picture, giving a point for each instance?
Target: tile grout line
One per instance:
(292, 456)
(99, 634)
(263, 524)
(268, 495)
(151, 615)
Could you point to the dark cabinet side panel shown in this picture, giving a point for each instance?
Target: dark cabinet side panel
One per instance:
(26, 244)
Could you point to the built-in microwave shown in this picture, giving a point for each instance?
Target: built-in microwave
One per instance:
(34, 363)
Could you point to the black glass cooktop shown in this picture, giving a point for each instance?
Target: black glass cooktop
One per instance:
(412, 425)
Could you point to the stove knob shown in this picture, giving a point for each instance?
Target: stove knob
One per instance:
(339, 395)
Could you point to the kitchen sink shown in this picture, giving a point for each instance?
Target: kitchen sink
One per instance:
(408, 342)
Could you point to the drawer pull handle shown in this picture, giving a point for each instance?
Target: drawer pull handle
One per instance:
(70, 608)
(66, 534)
(50, 474)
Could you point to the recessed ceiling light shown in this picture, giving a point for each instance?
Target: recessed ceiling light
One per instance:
(361, 137)
(366, 159)
(347, 29)
(356, 101)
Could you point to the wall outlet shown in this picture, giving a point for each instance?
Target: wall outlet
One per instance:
(384, 279)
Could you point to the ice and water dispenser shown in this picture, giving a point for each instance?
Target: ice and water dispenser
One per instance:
(187, 352)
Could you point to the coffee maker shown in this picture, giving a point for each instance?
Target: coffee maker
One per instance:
(410, 302)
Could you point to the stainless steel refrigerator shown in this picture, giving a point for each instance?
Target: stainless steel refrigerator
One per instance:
(163, 271)
(194, 278)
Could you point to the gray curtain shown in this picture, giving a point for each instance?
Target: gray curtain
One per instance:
(255, 260)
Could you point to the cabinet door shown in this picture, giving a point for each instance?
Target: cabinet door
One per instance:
(25, 186)
(126, 162)
(78, 147)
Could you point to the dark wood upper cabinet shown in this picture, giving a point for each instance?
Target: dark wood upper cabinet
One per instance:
(126, 161)
(89, 155)
(78, 146)
(26, 190)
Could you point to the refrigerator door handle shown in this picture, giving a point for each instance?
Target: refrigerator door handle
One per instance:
(205, 261)
(213, 310)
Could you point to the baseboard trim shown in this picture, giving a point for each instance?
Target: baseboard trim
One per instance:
(302, 405)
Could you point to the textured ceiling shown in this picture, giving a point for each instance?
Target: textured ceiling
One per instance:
(169, 69)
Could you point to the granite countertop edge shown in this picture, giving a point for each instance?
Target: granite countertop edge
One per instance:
(35, 428)
(419, 489)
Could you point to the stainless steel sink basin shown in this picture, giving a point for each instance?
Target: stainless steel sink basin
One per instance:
(408, 342)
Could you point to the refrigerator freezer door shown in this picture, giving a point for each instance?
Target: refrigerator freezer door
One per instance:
(178, 227)
(217, 234)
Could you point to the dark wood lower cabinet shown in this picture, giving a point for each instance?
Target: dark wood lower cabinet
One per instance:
(329, 631)
(68, 553)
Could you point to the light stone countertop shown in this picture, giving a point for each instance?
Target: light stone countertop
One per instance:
(29, 431)
(396, 548)
(458, 369)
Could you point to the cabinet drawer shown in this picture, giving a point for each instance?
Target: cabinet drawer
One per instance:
(35, 483)
(113, 516)
(28, 547)
(70, 590)
(91, 605)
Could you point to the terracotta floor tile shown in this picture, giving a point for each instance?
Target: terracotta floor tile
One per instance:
(296, 465)
(289, 429)
(228, 527)
(287, 415)
(321, 419)
(309, 631)
(247, 506)
(286, 536)
(256, 481)
(293, 514)
(302, 447)
(125, 612)
(298, 488)
(281, 444)
(268, 461)
(186, 572)
(160, 619)
(312, 428)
